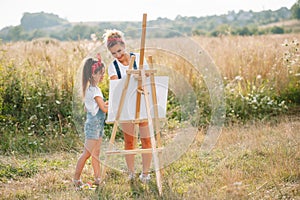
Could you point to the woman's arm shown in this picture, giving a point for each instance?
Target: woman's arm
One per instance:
(114, 77)
(102, 105)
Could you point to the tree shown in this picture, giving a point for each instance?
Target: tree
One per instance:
(16, 33)
(296, 10)
(31, 21)
(277, 30)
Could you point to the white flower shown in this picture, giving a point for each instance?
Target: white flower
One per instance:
(94, 37)
(285, 43)
(239, 78)
(258, 76)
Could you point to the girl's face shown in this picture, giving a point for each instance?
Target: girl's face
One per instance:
(118, 51)
(98, 77)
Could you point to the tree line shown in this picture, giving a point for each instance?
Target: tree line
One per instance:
(38, 25)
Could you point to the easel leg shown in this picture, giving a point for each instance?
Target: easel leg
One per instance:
(110, 147)
(156, 117)
(116, 123)
(153, 142)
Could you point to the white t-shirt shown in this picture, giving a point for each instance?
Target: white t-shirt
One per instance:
(90, 102)
(112, 69)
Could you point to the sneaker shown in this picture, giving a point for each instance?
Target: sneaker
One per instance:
(145, 178)
(131, 176)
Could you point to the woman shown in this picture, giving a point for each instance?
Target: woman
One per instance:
(117, 70)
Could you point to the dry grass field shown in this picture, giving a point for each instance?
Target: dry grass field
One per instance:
(253, 159)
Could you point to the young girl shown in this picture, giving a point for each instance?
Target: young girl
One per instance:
(96, 108)
(117, 70)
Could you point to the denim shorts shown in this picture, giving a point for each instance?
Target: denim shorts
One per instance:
(94, 125)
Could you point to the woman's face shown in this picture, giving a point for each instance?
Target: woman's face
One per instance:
(118, 51)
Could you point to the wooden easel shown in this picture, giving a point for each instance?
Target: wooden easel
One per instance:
(141, 90)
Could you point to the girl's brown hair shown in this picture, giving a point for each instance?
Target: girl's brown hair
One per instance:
(87, 73)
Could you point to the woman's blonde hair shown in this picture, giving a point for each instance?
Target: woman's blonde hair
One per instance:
(111, 37)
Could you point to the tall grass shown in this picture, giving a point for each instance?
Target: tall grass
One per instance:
(271, 59)
(260, 75)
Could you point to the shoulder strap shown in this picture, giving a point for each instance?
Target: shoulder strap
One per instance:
(134, 64)
(117, 69)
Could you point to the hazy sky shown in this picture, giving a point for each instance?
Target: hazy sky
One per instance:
(11, 11)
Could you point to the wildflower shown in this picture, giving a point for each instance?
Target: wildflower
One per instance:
(239, 78)
(254, 100)
(285, 43)
(258, 76)
(270, 102)
(94, 37)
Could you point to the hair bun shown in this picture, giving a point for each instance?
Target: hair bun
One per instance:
(113, 36)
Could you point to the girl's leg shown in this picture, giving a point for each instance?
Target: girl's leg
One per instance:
(146, 143)
(88, 149)
(95, 160)
(128, 131)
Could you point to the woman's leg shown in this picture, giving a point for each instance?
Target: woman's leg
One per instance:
(87, 151)
(146, 143)
(96, 159)
(128, 131)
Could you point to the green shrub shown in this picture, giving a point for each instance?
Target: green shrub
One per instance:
(252, 102)
(27, 169)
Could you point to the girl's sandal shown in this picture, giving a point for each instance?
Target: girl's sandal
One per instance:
(97, 181)
(77, 184)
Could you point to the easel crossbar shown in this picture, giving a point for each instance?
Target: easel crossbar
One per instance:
(137, 121)
(133, 151)
(147, 71)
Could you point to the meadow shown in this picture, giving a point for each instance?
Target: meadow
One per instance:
(256, 157)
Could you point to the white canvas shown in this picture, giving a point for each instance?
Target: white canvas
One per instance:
(128, 111)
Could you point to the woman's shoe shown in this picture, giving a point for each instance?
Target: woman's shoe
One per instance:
(145, 178)
(131, 176)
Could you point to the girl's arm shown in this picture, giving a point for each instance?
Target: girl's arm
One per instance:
(102, 105)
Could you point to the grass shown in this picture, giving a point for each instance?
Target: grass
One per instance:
(249, 57)
(254, 161)
(256, 157)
